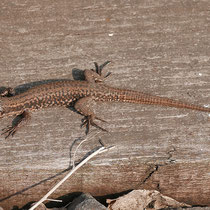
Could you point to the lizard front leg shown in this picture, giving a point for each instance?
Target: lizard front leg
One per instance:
(18, 122)
(83, 106)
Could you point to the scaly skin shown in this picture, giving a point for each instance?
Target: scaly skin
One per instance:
(63, 93)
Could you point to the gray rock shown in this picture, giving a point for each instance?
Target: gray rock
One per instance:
(85, 202)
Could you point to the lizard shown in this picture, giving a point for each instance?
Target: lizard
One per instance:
(82, 93)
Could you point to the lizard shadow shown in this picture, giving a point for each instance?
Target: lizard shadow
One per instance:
(77, 74)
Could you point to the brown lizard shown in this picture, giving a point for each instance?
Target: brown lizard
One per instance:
(63, 93)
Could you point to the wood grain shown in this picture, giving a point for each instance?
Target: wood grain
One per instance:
(159, 47)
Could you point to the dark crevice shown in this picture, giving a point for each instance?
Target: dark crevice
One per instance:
(170, 160)
(102, 199)
(151, 173)
(68, 198)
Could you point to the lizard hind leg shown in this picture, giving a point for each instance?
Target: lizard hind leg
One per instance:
(83, 106)
(18, 122)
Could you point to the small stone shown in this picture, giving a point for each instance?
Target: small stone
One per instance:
(85, 202)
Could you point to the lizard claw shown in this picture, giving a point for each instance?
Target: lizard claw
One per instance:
(98, 69)
(6, 128)
(100, 119)
(19, 121)
(9, 130)
(89, 121)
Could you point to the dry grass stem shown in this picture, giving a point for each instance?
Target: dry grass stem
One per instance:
(74, 169)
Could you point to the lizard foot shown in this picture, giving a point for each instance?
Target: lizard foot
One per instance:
(98, 69)
(18, 122)
(88, 120)
(9, 130)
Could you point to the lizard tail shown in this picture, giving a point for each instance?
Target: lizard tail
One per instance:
(142, 98)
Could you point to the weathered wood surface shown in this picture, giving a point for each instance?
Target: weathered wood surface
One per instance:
(157, 46)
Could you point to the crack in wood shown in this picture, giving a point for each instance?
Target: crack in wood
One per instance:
(156, 167)
(151, 173)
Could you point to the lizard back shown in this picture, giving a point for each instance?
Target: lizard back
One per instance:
(57, 93)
